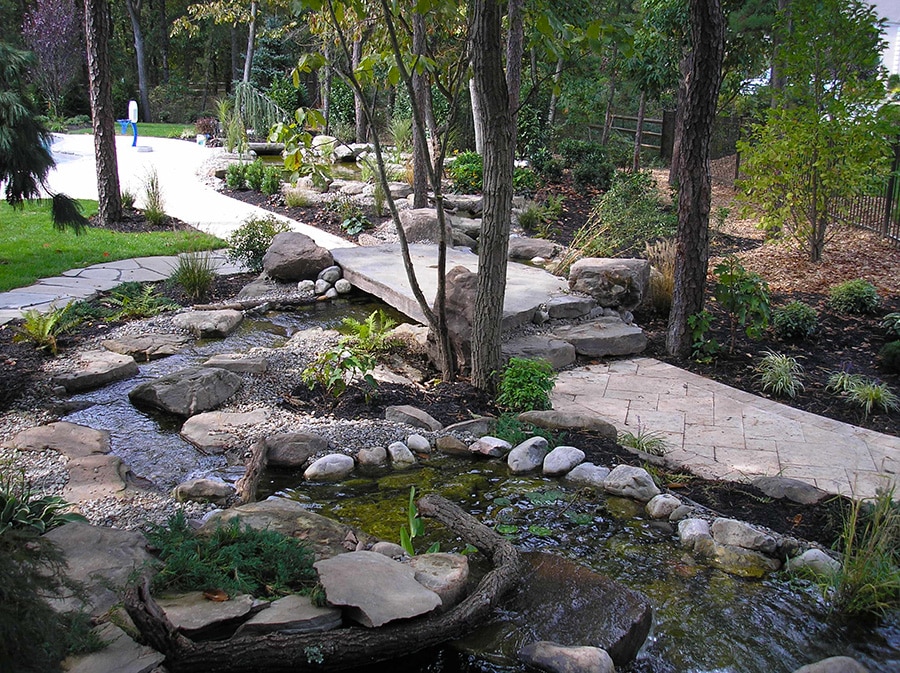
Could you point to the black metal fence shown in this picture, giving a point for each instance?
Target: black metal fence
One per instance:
(878, 211)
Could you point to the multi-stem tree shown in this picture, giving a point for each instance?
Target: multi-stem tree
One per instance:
(53, 32)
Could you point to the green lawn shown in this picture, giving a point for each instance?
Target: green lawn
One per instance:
(30, 248)
(150, 130)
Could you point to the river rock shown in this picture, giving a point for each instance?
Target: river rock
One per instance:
(192, 613)
(492, 447)
(480, 426)
(95, 476)
(374, 589)
(203, 490)
(553, 658)
(602, 337)
(631, 482)
(343, 286)
(289, 517)
(421, 225)
(95, 369)
(418, 444)
(792, 489)
(736, 560)
(187, 392)
(834, 665)
(739, 534)
(260, 286)
(333, 467)
(558, 353)
(563, 420)
(527, 456)
(209, 324)
(662, 505)
(292, 614)
(616, 283)
(692, 531)
(569, 306)
(375, 456)
(609, 615)
(389, 549)
(561, 460)
(405, 413)
(101, 559)
(401, 456)
(815, 561)
(238, 363)
(522, 248)
(146, 347)
(587, 474)
(69, 439)
(216, 431)
(452, 446)
(293, 449)
(293, 256)
(120, 654)
(330, 274)
(445, 574)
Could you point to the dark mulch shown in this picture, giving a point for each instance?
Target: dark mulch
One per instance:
(134, 222)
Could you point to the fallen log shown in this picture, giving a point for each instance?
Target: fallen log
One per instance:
(256, 465)
(283, 304)
(344, 648)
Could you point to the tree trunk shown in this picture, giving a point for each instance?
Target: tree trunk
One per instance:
(499, 144)
(326, 86)
(134, 14)
(163, 30)
(681, 101)
(339, 649)
(777, 79)
(554, 98)
(251, 40)
(610, 98)
(362, 130)
(477, 118)
(235, 57)
(639, 133)
(421, 155)
(694, 186)
(515, 49)
(97, 30)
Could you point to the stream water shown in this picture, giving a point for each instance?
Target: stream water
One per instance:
(704, 619)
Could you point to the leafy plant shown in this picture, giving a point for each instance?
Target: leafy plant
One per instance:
(548, 167)
(236, 560)
(525, 181)
(889, 356)
(254, 175)
(135, 300)
(336, 368)
(356, 224)
(372, 335)
(541, 218)
(780, 374)
(21, 509)
(466, 172)
(526, 384)
(271, 181)
(42, 329)
(301, 158)
(891, 323)
(154, 206)
(652, 442)
(703, 348)
(744, 296)
(195, 274)
(854, 296)
(416, 527)
(401, 133)
(589, 162)
(509, 428)
(870, 394)
(795, 320)
(236, 176)
(249, 242)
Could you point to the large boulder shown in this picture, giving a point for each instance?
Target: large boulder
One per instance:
(293, 449)
(524, 249)
(292, 614)
(405, 413)
(631, 482)
(94, 477)
(461, 285)
(421, 225)
(293, 256)
(209, 324)
(834, 665)
(187, 392)
(608, 335)
(527, 456)
(615, 283)
(333, 467)
(445, 574)
(739, 534)
(562, 460)
(558, 353)
(203, 490)
(120, 654)
(193, 613)
(564, 420)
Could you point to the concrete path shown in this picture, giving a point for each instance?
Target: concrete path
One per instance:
(719, 432)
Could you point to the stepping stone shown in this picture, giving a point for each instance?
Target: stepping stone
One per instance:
(215, 431)
(188, 392)
(374, 589)
(292, 614)
(69, 439)
(120, 655)
(405, 413)
(240, 364)
(147, 347)
(192, 613)
(93, 477)
(602, 337)
(209, 324)
(557, 352)
(95, 369)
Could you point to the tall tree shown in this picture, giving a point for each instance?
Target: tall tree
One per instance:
(96, 31)
(52, 31)
(134, 15)
(694, 184)
(499, 146)
(25, 159)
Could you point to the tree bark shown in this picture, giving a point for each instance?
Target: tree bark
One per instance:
(499, 144)
(639, 134)
(477, 118)
(97, 31)
(554, 97)
(777, 80)
(256, 465)
(362, 130)
(681, 101)
(421, 155)
(610, 98)
(345, 648)
(515, 49)
(134, 14)
(163, 30)
(251, 41)
(694, 186)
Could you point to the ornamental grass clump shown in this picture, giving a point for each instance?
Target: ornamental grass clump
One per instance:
(195, 274)
(779, 374)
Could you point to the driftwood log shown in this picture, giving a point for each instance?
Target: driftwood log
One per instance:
(343, 648)
(256, 465)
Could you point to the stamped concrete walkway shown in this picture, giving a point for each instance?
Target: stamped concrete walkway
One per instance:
(719, 432)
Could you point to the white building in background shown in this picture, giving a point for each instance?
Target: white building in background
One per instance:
(891, 55)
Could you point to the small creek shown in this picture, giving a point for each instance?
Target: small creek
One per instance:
(704, 620)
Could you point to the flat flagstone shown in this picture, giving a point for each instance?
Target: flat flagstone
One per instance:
(24, 298)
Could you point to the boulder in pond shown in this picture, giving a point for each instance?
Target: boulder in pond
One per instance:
(631, 482)
(375, 456)
(740, 534)
(527, 456)
(492, 447)
(333, 467)
(293, 256)
(203, 490)
(554, 658)
(215, 431)
(293, 449)
(834, 665)
(209, 324)
(187, 392)
(445, 574)
(561, 460)
(95, 369)
(815, 561)
(401, 456)
(662, 505)
(587, 474)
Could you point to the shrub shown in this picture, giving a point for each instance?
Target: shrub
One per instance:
(271, 181)
(235, 560)
(744, 296)
(524, 181)
(795, 320)
(703, 348)
(467, 172)
(254, 175)
(890, 356)
(779, 374)
(589, 162)
(249, 242)
(154, 207)
(195, 274)
(662, 284)
(525, 385)
(891, 323)
(207, 126)
(236, 176)
(548, 167)
(541, 218)
(854, 296)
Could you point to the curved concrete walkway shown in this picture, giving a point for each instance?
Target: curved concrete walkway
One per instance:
(719, 432)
